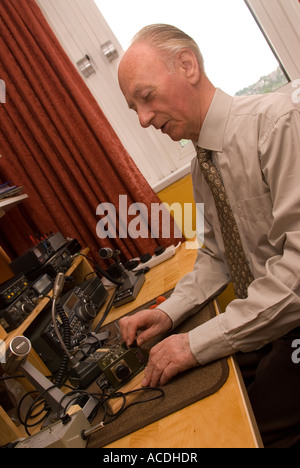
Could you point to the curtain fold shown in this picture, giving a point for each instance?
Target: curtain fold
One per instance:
(56, 142)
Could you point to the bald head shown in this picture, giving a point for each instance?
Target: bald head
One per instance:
(168, 40)
(162, 80)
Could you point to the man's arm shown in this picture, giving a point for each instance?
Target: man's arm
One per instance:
(272, 308)
(210, 274)
(172, 355)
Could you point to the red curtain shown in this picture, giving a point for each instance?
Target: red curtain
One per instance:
(56, 143)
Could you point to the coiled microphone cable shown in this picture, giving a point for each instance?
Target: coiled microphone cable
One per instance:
(61, 373)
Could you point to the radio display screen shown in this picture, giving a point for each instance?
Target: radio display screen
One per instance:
(71, 302)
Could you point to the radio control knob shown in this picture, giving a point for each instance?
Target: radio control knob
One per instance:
(122, 371)
(86, 313)
(26, 308)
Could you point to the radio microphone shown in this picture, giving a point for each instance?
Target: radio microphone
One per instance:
(58, 285)
(106, 252)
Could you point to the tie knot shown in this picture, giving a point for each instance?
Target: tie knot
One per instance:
(203, 154)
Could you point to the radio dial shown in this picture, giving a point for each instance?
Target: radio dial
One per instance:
(86, 312)
(122, 371)
(26, 307)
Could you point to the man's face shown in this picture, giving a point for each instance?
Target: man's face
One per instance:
(161, 95)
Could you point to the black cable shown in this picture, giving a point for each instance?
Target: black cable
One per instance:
(123, 408)
(113, 416)
(103, 272)
(13, 377)
(106, 312)
(78, 394)
(105, 398)
(32, 407)
(20, 404)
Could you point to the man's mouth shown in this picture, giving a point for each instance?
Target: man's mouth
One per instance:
(164, 127)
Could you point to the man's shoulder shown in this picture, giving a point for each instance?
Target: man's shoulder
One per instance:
(272, 105)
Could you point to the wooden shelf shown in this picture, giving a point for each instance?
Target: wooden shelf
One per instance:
(79, 268)
(8, 203)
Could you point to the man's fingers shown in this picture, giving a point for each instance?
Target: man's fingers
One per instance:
(145, 335)
(160, 375)
(168, 358)
(153, 376)
(128, 330)
(148, 322)
(155, 367)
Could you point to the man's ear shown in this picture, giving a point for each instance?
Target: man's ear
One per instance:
(188, 64)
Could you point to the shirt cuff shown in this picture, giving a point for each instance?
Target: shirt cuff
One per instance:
(208, 343)
(177, 308)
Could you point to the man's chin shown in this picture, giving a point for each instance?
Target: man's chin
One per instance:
(175, 136)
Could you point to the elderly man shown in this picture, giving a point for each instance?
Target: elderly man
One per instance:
(246, 174)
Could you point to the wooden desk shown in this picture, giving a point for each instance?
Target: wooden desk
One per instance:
(223, 420)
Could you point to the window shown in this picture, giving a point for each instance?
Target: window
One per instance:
(237, 57)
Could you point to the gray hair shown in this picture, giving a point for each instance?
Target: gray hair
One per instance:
(169, 40)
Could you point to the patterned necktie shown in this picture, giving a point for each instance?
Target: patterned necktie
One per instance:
(241, 274)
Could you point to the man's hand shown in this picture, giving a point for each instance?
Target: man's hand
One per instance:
(144, 325)
(168, 358)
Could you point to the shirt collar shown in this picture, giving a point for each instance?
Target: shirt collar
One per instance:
(213, 129)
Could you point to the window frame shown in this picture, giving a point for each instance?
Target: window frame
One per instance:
(277, 20)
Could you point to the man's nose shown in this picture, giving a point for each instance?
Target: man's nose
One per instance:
(145, 117)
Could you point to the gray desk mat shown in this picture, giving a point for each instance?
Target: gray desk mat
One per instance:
(183, 390)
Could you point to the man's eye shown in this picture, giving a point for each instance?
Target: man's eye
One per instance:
(132, 108)
(147, 97)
